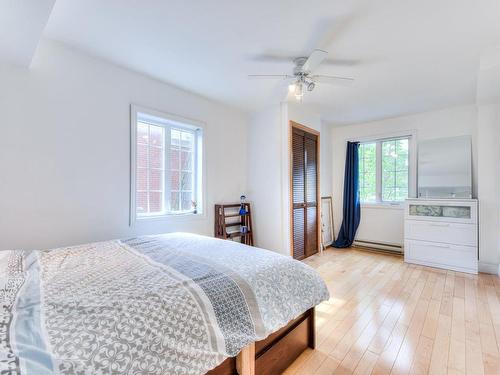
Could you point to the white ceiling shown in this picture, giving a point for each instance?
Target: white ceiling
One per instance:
(21, 26)
(412, 55)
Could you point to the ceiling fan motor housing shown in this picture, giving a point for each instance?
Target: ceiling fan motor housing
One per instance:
(302, 75)
(299, 64)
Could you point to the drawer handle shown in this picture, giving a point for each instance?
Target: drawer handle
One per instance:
(441, 246)
(440, 225)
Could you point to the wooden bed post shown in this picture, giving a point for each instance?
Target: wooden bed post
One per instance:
(245, 361)
(274, 354)
(311, 340)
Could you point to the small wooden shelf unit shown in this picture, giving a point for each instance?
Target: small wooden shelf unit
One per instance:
(228, 221)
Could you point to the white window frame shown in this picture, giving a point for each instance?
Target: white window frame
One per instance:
(169, 121)
(412, 167)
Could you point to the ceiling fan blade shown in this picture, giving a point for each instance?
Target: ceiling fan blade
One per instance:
(333, 80)
(341, 62)
(313, 61)
(269, 76)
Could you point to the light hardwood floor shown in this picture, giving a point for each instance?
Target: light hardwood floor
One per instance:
(388, 317)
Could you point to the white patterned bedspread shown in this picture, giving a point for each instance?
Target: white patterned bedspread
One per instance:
(169, 304)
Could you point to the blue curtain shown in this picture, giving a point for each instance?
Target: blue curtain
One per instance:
(352, 211)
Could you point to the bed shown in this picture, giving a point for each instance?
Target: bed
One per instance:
(167, 304)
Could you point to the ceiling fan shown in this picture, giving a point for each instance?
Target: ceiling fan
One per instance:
(303, 78)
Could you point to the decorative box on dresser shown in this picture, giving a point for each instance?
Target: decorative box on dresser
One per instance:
(442, 233)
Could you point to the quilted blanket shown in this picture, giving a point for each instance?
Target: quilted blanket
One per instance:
(168, 304)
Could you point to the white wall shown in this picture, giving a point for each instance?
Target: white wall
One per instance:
(264, 177)
(489, 186)
(304, 115)
(64, 149)
(385, 224)
(488, 101)
(326, 151)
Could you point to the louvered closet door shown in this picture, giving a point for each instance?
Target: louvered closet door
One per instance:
(304, 194)
(298, 191)
(311, 192)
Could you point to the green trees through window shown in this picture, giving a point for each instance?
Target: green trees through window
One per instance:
(368, 172)
(383, 170)
(395, 170)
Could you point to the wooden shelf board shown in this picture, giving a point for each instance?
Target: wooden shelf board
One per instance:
(234, 224)
(235, 215)
(238, 234)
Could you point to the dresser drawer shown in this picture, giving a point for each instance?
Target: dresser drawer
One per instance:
(451, 233)
(442, 210)
(454, 257)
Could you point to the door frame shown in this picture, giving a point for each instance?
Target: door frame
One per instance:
(291, 126)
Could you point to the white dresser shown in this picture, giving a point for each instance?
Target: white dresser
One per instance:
(442, 233)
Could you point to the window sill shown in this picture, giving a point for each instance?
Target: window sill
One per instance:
(171, 217)
(384, 205)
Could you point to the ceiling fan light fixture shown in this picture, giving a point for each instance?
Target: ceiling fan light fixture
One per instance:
(299, 91)
(303, 78)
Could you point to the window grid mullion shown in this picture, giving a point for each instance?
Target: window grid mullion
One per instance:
(163, 164)
(148, 167)
(364, 171)
(378, 172)
(168, 172)
(394, 171)
(179, 202)
(194, 164)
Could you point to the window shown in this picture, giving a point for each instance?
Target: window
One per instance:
(167, 174)
(384, 170)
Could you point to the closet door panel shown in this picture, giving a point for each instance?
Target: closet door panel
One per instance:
(312, 231)
(298, 173)
(299, 243)
(311, 169)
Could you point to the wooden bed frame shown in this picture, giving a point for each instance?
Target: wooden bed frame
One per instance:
(275, 353)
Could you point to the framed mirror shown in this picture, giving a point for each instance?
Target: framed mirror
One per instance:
(327, 234)
(445, 168)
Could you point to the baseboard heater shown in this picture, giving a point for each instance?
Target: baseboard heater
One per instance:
(380, 246)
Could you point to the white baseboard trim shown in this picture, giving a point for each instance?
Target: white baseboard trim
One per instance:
(492, 268)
